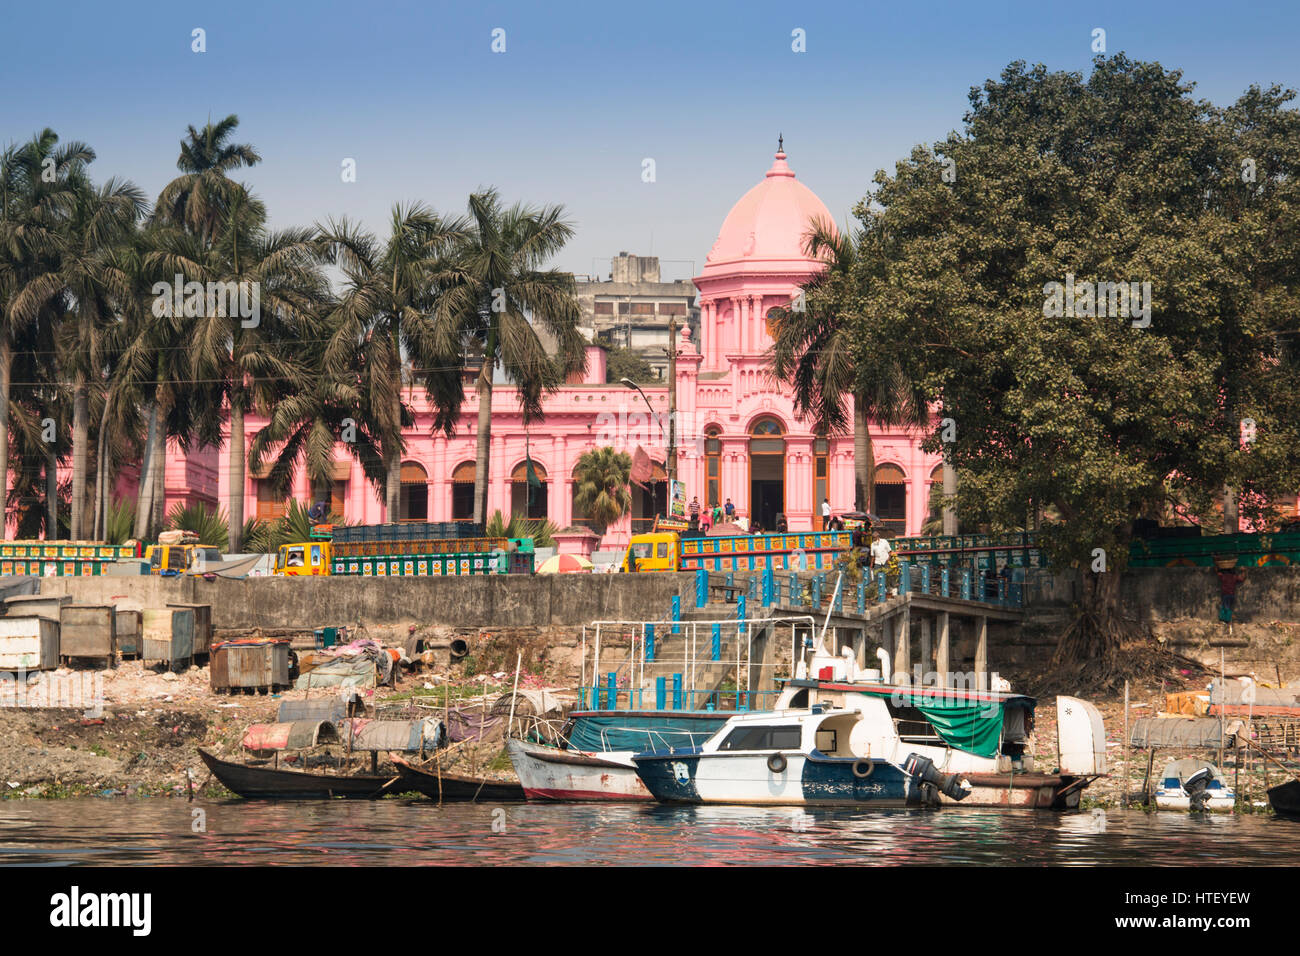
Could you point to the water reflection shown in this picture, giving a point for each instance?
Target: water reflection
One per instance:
(412, 832)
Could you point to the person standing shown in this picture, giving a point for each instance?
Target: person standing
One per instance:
(1230, 579)
(729, 510)
(694, 512)
(826, 513)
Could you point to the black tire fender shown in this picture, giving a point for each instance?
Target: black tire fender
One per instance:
(863, 768)
(776, 763)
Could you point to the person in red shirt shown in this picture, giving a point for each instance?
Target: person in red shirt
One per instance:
(1229, 580)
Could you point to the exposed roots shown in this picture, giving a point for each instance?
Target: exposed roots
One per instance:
(1100, 650)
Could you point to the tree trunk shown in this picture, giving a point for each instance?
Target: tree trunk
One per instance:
(51, 493)
(1095, 637)
(393, 488)
(484, 444)
(1231, 523)
(949, 492)
(144, 490)
(158, 517)
(103, 484)
(80, 454)
(864, 460)
(6, 367)
(235, 476)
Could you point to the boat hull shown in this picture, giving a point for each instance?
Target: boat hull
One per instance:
(1285, 799)
(265, 783)
(1031, 791)
(452, 788)
(806, 780)
(549, 773)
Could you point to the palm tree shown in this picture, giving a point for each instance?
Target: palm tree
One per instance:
(489, 295)
(38, 184)
(319, 409)
(249, 356)
(384, 313)
(602, 477)
(812, 350)
(98, 286)
(201, 198)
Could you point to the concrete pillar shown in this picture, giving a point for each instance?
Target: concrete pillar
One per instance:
(943, 653)
(982, 651)
(927, 649)
(903, 646)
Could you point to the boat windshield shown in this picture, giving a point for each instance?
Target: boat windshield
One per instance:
(763, 737)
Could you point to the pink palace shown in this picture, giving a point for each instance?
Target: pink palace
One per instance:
(738, 436)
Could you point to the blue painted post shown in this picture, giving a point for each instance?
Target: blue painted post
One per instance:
(701, 587)
(731, 579)
(839, 599)
(983, 594)
(862, 594)
(661, 693)
(817, 591)
(925, 578)
(753, 588)
(945, 582)
(716, 638)
(767, 586)
(965, 584)
(1017, 594)
(741, 604)
(611, 691)
(793, 596)
(649, 642)
(677, 692)
(904, 577)
(677, 614)
(1002, 590)
(881, 587)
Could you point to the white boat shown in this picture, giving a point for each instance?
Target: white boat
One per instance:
(1193, 784)
(803, 757)
(594, 760)
(822, 726)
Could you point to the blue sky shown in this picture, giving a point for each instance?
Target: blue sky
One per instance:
(583, 93)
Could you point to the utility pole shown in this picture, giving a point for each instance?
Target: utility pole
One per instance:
(672, 399)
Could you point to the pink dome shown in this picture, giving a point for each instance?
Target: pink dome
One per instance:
(764, 232)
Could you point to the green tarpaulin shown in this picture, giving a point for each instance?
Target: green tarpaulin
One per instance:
(970, 725)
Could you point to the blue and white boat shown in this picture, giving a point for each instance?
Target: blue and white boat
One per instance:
(797, 757)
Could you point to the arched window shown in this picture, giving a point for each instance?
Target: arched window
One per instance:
(462, 491)
(821, 477)
(713, 466)
(891, 498)
(415, 492)
(521, 502)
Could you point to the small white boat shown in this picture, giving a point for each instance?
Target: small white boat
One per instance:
(1192, 784)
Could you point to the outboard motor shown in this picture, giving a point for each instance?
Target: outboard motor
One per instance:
(1196, 788)
(924, 770)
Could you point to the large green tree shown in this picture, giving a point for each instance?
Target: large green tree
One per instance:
(973, 251)
(602, 490)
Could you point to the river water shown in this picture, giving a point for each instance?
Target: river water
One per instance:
(125, 831)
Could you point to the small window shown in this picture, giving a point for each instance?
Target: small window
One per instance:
(155, 558)
(294, 559)
(763, 738)
(662, 550)
(315, 555)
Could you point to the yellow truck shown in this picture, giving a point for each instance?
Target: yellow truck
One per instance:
(304, 558)
(180, 558)
(670, 551)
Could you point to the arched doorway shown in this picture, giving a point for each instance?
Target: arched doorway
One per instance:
(766, 472)
(651, 501)
(891, 498)
(415, 492)
(462, 491)
(521, 503)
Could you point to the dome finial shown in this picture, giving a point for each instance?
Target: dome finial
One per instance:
(780, 143)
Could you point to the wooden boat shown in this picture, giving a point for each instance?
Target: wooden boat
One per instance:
(268, 783)
(450, 787)
(1285, 799)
